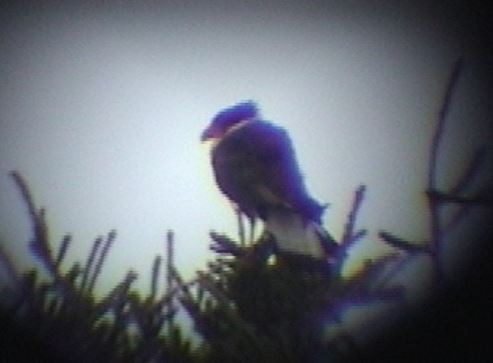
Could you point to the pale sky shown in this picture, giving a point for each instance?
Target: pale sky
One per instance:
(101, 109)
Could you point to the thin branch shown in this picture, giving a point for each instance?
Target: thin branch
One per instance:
(347, 238)
(170, 257)
(350, 237)
(436, 239)
(26, 194)
(440, 197)
(225, 245)
(358, 235)
(403, 245)
(90, 262)
(62, 251)
(40, 241)
(439, 129)
(116, 294)
(169, 260)
(472, 171)
(102, 256)
(156, 266)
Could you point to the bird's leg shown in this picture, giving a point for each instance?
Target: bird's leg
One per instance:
(252, 229)
(241, 227)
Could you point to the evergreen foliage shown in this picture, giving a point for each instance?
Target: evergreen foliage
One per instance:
(251, 304)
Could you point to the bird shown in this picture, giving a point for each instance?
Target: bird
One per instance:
(255, 167)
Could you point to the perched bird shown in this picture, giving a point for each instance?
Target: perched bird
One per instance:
(255, 167)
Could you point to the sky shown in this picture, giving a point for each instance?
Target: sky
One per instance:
(102, 106)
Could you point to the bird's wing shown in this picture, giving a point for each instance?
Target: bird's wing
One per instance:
(233, 170)
(257, 168)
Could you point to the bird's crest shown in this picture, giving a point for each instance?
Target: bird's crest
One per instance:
(229, 118)
(241, 111)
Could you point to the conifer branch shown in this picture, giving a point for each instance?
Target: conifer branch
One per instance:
(62, 251)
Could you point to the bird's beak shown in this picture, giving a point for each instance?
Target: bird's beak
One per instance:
(207, 134)
(204, 136)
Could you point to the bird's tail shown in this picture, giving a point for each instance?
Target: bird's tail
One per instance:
(294, 234)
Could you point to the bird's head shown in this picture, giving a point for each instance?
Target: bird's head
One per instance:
(228, 118)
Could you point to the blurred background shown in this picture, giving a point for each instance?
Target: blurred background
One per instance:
(102, 106)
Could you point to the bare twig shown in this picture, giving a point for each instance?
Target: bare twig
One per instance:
(403, 245)
(471, 172)
(436, 198)
(348, 236)
(439, 129)
(442, 198)
(435, 223)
